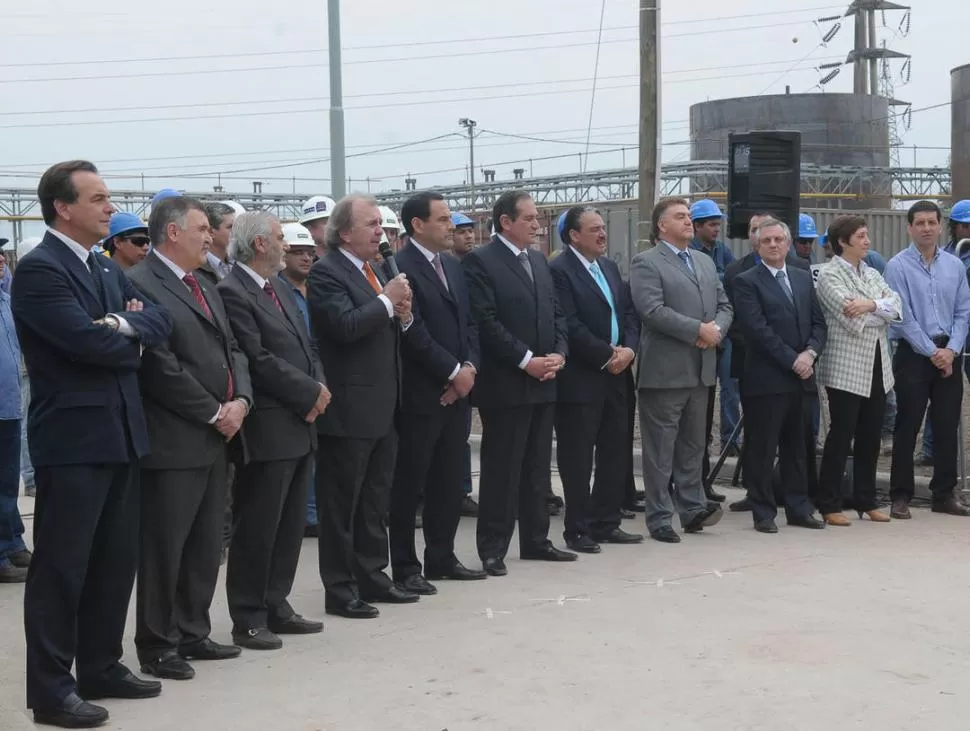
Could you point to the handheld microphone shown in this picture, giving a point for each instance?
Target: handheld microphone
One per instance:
(388, 256)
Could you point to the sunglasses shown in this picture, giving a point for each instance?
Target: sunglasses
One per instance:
(139, 240)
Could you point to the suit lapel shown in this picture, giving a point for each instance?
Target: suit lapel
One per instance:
(775, 286)
(803, 307)
(426, 268)
(513, 263)
(77, 268)
(355, 275)
(263, 300)
(674, 261)
(584, 275)
(177, 287)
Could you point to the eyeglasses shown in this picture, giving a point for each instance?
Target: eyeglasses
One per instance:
(140, 240)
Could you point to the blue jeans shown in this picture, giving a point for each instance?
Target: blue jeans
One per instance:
(11, 526)
(26, 468)
(730, 396)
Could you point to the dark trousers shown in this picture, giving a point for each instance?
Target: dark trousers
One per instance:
(516, 455)
(852, 417)
(919, 381)
(776, 423)
(594, 432)
(353, 484)
(269, 513)
(429, 462)
(227, 520)
(181, 542)
(11, 526)
(80, 578)
(466, 463)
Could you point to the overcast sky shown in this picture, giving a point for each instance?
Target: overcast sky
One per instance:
(185, 88)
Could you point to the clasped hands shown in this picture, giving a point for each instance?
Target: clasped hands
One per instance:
(323, 400)
(460, 386)
(804, 365)
(709, 336)
(621, 360)
(942, 358)
(545, 367)
(230, 418)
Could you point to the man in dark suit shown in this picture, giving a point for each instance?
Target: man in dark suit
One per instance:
(356, 321)
(739, 266)
(784, 330)
(81, 327)
(289, 394)
(439, 360)
(523, 340)
(594, 390)
(197, 392)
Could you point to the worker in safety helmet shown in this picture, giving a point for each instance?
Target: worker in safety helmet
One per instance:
(127, 240)
(314, 216)
(807, 236)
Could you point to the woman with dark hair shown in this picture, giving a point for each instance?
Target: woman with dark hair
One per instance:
(856, 369)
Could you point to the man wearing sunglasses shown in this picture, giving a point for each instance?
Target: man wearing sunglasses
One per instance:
(127, 241)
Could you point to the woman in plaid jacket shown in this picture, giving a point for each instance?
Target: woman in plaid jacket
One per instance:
(856, 369)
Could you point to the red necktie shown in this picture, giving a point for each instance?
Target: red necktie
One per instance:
(268, 289)
(193, 284)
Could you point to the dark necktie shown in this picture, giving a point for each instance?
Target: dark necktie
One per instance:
(527, 265)
(268, 289)
(193, 285)
(96, 275)
(783, 281)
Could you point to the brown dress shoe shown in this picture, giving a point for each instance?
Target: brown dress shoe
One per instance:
(900, 510)
(836, 519)
(876, 516)
(951, 506)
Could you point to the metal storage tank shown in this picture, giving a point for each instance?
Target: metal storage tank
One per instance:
(837, 129)
(960, 132)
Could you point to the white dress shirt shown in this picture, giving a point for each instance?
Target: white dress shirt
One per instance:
(259, 279)
(124, 327)
(359, 263)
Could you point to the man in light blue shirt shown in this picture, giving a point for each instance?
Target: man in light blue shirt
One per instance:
(932, 284)
(14, 556)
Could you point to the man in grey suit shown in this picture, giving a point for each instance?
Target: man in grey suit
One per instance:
(684, 313)
(196, 391)
(288, 394)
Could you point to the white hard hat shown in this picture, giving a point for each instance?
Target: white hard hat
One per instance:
(8, 246)
(389, 219)
(236, 207)
(296, 234)
(317, 207)
(26, 246)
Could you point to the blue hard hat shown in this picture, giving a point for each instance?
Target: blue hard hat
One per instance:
(823, 240)
(561, 227)
(460, 219)
(806, 227)
(165, 193)
(960, 212)
(704, 208)
(123, 223)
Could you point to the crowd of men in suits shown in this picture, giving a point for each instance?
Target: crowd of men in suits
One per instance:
(355, 379)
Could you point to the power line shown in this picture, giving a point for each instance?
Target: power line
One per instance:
(596, 67)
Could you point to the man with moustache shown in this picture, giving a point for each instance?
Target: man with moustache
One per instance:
(197, 392)
(81, 327)
(289, 394)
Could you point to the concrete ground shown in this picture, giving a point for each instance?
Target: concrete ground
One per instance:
(852, 628)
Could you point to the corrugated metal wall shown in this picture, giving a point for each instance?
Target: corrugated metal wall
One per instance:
(887, 230)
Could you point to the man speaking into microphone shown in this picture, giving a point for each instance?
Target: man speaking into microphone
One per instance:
(356, 319)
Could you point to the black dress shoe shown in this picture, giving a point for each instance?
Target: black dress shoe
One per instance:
(711, 515)
(456, 572)
(547, 553)
(354, 609)
(394, 594)
(72, 713)
(806, 521)
(20, 559)
(618, 535)
(665, 534)
(900, 510)
(169, 666)
(765, 526)
(417, 584)
(10, 574)
(121, 683)
(740, 506)
(494, 567)
(711, 494)
(639, 505)
(208, 650)
(257, 638)
(582, 543)
(295, 625)
(950, 506)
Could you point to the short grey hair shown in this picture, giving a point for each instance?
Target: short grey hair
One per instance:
(769, 223)
(217, 212)
(342, 218)
(169, 211)
(244, 232)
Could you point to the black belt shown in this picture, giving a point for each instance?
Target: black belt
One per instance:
(940, 341)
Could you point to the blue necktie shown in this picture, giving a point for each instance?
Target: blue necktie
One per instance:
(783, 281)
(685, 257)
(597, 273)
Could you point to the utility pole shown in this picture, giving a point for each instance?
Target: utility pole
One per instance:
(649, 116)
(469, 125)
(337, 161)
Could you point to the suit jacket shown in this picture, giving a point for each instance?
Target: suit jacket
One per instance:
(85, 405)
(442, 334)
(739, 266)
(513, 316)
(672, 304)
(358, 346)
(283, 366)
(185, 380)
(775, 330)
(588, 322)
